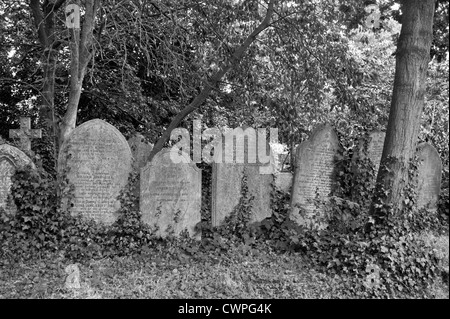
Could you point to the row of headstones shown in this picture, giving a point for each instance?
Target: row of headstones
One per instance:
(99, 160)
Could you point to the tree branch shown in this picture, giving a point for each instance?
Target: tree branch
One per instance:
(213, 81)
(58, 4)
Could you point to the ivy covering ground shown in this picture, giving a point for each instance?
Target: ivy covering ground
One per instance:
(163, 272)
(403, 256)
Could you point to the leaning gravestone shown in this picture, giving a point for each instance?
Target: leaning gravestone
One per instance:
(227, 174)
(373, 148)
(429, 177)
(314, 172)
(170, 197)
(98, 160)
(140, 149)
(11, 158)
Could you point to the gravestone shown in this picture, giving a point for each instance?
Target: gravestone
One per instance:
(314, 173)
(227, 173)
(140, 149)
(98, 160)
(170, 197)
(11, 158)
(374, 148)
(429, 177)
(25, 134)
(283, 181)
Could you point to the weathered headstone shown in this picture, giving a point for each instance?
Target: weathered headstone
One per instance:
(140, 149)
(11, 158)
(314, 172)
(374, 148)
(25, 134)
(283, 181)
(98, 159)
(227, 177)
(429, 177)
(170, 197)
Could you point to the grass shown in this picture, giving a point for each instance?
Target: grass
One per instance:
(158, 274)
(264, 276)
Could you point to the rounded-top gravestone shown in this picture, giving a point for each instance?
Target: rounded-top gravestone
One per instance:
(170, 197)
(97, 160)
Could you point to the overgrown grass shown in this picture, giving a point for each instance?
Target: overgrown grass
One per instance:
(272, 259)
(440, 243)
(158, 273)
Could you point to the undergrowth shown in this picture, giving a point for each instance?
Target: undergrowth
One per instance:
(362, 257)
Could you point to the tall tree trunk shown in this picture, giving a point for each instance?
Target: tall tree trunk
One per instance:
(81, 53)
(47, 110)
(81, 49)
(44, 20)
(413, 55)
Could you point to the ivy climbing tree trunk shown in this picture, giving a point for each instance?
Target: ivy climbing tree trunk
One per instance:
(413, 55)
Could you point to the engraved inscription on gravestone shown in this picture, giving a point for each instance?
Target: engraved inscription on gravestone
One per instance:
(429, 177)
(170, 197)
(314, 171)
(98, 159)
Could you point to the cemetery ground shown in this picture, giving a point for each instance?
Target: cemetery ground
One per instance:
(350, 202)
(94, 233)
(166, 271)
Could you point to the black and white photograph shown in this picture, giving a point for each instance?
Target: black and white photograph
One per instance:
(224, 157)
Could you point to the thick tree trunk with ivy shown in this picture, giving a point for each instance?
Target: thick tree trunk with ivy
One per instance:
(413, 55)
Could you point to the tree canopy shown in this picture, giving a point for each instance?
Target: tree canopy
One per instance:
(315, 61)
